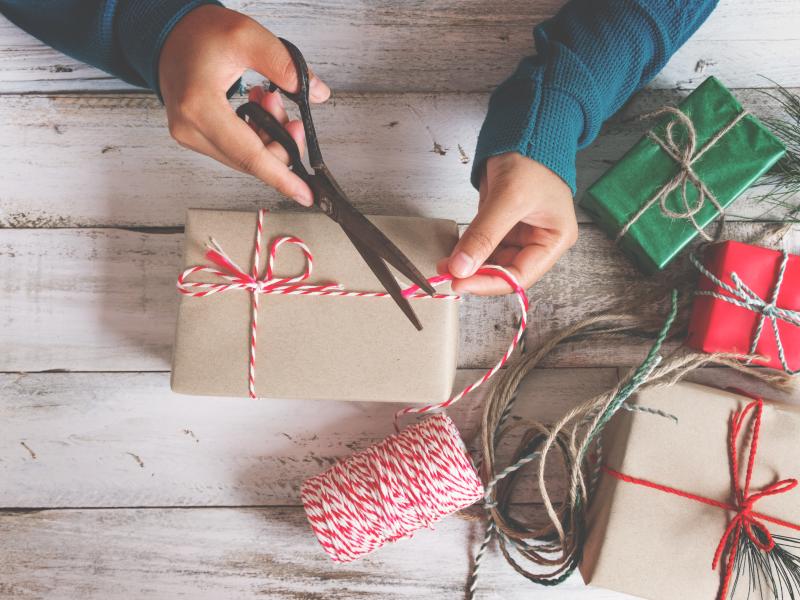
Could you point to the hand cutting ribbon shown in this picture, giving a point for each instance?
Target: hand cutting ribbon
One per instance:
(746, 521)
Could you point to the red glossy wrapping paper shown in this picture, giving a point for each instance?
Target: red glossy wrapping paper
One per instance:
(719, 326)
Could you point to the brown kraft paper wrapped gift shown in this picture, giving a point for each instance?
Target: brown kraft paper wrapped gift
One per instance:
(314, 347)
(660, 546)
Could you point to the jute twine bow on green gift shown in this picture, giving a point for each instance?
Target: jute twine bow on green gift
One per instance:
(554, 549)
(685, 155)
(741, 295)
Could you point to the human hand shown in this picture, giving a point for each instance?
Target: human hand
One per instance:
(525, 222)
(203, 56)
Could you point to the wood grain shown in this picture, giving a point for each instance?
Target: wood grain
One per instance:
(444, 45)
(207, 554)
(89, 160)
(123, 439)
(105, 300)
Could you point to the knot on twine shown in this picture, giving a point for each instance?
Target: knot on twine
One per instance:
(741, 295)
(236, 278)
(685, 154)
(746, 521)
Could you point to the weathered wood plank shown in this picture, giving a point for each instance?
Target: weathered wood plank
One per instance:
(104, 300)
(240, 553)
(78, 161)
(123, 439)
(444, 45)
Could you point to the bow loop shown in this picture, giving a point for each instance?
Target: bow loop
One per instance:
(273, 251)
(758, 533)
(779, 487)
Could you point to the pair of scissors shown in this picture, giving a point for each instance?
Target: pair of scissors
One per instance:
(373, 246)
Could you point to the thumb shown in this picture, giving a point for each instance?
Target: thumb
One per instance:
(492, 223)
(270, 57)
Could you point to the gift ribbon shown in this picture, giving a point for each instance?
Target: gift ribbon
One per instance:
(685, 156)
(743, 296)
(746, 520)
(236, 278)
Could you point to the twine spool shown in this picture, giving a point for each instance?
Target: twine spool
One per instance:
(407, 482)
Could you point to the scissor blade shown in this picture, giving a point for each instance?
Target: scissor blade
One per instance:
(358, 226)
(386, 278)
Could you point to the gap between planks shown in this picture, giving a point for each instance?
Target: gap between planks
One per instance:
(445, 45)
(107, 160)
(223, 452)
(105, 300)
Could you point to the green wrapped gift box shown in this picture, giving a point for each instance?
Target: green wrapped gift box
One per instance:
(668, 187)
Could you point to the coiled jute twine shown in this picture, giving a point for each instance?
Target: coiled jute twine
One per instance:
(548, 551)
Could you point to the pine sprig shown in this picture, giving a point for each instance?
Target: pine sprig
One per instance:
(784, 177)
(774, 574)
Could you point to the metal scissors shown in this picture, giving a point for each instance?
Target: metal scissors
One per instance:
(373, 246)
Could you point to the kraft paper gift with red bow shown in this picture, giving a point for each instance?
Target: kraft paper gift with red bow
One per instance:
(748, 302)
(668, 512)
(312, 346)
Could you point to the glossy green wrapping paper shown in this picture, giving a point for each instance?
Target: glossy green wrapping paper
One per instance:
(727, 168)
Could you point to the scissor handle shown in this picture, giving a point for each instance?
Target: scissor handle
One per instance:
(253, 113)
(300, 97)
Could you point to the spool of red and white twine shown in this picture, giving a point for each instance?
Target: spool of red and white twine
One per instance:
(408, 481)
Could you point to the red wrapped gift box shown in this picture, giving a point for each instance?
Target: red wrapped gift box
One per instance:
(742, 315)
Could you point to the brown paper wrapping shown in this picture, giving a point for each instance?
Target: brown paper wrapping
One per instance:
(316, 347)
(660, 546)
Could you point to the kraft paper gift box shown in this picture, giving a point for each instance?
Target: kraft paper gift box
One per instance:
(338, 348)
(658, 545)
(727, 168)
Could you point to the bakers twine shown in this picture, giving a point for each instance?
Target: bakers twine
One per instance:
(407, 482)
(392, 489)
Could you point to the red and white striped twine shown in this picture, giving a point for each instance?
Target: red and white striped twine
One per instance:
(410, 480)
(390, 490)
(235, 278)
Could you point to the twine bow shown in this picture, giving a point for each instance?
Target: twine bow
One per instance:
(746, 521)
(236, 278)
(685, 155)
(743, 296)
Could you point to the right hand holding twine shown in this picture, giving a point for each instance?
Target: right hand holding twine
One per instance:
(202, 58)
(525, 223)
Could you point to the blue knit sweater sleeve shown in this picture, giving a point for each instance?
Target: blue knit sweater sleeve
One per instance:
(122, 37)
(591, 57)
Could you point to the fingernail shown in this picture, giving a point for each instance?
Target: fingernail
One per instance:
(304, 199)
(317, 89)
(461, 264)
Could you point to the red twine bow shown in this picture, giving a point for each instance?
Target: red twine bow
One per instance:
(746, 520)
(236, 278)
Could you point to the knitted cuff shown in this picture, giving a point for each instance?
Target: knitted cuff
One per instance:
(143, 27)
(540, 122)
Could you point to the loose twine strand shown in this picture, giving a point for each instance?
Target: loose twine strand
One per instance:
(554, 549)
(685, 155)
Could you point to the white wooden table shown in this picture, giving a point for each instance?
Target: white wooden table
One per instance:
(111, 486)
